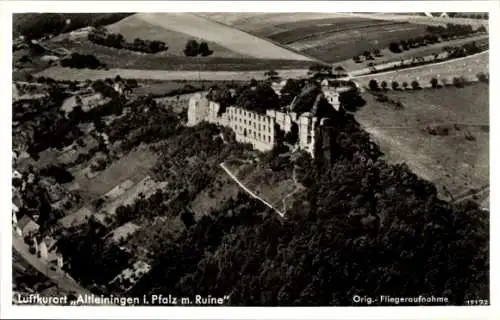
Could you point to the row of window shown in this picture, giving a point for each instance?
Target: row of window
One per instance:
(255, 125)
(248, 114)
(256, 135)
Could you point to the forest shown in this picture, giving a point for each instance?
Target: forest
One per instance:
(362, 227)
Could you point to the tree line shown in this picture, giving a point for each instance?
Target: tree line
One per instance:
(117, 40)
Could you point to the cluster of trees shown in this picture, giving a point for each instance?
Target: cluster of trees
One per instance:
(405, 45)
(368, 55)
(257, 98)
(82, 61)
(451, 53)
(464, 50)
(374, 85)
(362, 227)
(193, 49)
(435, 34)
(37, 25)
(117, 40)
(60, 174)
(147, 122)
(91, 260)
(451, 30)
(319, 70)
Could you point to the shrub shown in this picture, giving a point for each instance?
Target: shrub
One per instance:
(481, 76)
(434, 82)
(383, 85)
(81, 61)
(395, 85)
(459, 82)
(377, 53)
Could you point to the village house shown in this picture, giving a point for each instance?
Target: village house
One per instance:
(27, 226)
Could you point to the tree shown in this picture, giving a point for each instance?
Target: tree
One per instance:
(290, 90)
(339, 69)
(434, 82)
(203, 49)
(272, 75)
(415, 85)
(356, 59)
(192, 48)
(373, 85)
(405, 85)
(377, 53)
(459, 82)
(319, 69)
(383, 85)
(394, 47)
(395, 85)
(481, 76)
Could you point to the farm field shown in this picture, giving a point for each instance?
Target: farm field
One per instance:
(467, 67)
(342, 44)
(331, 37)
(135, 27)
(131, 168)
(388, 56)
(59, 73)
(420, 19)
(126, 59)
(258, 22)
(451, 161)
(230, 38)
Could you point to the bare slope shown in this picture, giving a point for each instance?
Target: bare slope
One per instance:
(230, 38)
(135, 27)
(452, 160)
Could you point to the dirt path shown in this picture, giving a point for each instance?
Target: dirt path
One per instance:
(298, 187)
(250, 192)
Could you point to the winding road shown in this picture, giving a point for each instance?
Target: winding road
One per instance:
(63, 280)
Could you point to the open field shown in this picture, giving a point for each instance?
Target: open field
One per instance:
(420, 19)
(330, 37)
(121, 58)
(451, 160)
(230, 38)
(135, 27)
(258, 22)
(59, 73)
(339, 45)
(467, 67)
(388, 56)
(133, 166)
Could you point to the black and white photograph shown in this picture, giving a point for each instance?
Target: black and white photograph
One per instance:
(255, 158)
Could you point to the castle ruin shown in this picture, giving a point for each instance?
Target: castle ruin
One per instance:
(260, 130)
